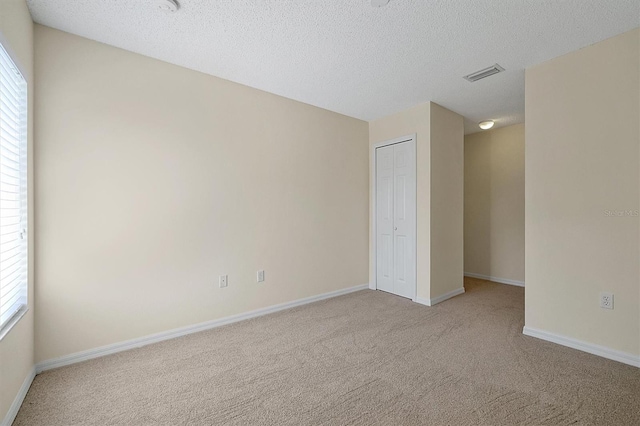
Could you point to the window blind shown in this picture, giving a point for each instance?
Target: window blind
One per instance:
(13, 190)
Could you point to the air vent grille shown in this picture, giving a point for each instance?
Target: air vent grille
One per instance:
(479, 75)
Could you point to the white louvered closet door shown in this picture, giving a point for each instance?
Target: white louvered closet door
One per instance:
(13, 190)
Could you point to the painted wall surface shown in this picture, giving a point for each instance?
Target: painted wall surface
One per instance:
(16, 348)
(447, 201)
(414, 120)
(583, 193)
(153, 180)
(494, 203)
(439, 138)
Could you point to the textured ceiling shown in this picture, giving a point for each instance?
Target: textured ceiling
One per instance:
(349, 57)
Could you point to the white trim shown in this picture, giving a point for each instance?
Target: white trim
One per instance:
(373, 285)
(603, 351)
(17, 402)
(9, 49)
(422, 301)
(183, 331)
(495, 279)
(436, 300)
(15, 319)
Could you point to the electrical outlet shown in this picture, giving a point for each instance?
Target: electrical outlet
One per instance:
(223, 281)
(260, 276)
(606, 300)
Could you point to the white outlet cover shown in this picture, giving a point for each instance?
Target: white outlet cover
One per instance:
(260, 276)
(223, 281)
(606, 300)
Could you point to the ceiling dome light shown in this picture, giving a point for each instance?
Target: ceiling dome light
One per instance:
(379, 3)
(168, 5)
(486, 125)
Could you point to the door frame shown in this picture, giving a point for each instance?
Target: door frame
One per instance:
(411, 139)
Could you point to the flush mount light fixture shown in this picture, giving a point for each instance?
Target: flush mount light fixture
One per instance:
(168, 5)
(486, 125)
(379, 3)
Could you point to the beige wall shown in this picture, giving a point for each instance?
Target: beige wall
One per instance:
(439, 138)
(447, 201)
(582, 151)
(16, 349)
(494, 203)
(153, 180)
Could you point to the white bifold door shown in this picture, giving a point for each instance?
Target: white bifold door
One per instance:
(396, 219)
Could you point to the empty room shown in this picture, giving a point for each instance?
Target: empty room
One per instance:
(319, 212)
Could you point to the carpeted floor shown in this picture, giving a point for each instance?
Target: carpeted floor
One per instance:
(360, 359)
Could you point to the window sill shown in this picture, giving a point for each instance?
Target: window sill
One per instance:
(13, 321)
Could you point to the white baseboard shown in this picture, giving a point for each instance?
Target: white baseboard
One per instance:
(580, 345)
(422, 301)
(183, 331)
(436, 300)
(495, 279)
(17, 402)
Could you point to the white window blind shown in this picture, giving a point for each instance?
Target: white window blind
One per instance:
(13, 191)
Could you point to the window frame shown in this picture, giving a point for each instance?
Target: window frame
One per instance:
(23, 100)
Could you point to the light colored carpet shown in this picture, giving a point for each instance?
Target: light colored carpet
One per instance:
(360, 359)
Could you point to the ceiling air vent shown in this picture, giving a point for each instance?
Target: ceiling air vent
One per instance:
(479, 75)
